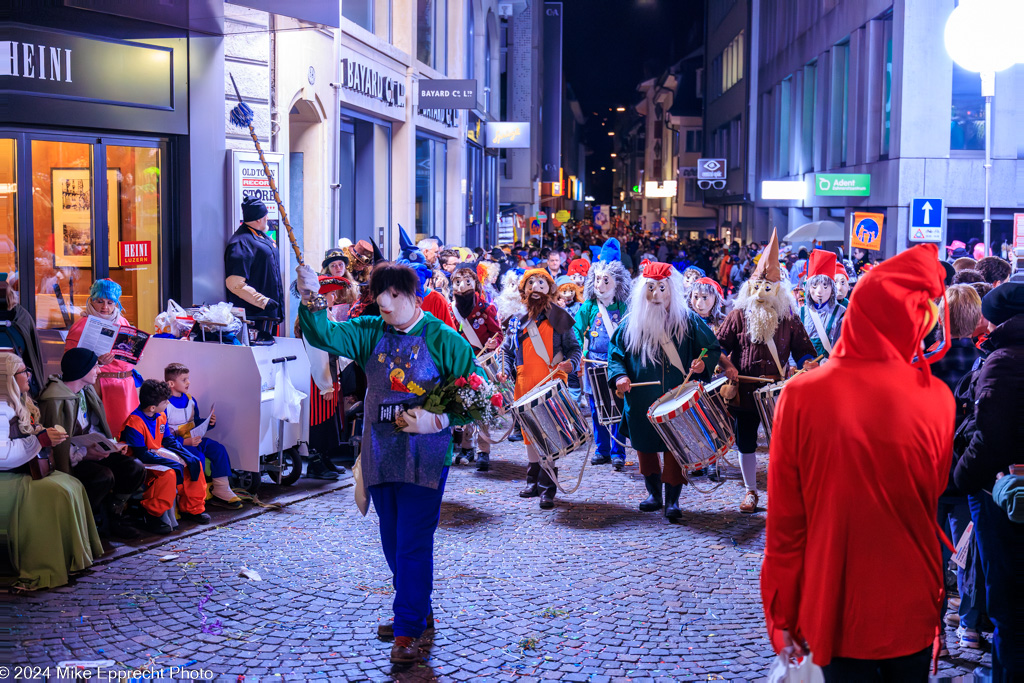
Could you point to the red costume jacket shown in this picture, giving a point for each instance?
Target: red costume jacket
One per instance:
(860, 453)
(484, 321)
(436, 305)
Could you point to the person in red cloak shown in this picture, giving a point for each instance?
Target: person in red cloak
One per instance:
(852, 568)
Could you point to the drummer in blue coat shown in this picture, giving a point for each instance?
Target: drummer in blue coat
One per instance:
(660, 340)
(605, 300)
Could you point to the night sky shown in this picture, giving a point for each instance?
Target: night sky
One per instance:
(609, 47)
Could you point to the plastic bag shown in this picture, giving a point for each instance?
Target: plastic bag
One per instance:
(218, 318)
(788, 669)
(175, 320)
(287, 399)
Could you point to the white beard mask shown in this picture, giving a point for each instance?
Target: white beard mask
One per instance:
(397, 310)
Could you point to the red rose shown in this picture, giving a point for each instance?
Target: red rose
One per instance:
(475, 382)
(461, 382)
(496, 400)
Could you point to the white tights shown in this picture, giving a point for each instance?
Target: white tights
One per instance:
(748, 466)
(532, 454)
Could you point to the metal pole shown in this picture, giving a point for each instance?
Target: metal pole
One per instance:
(988, 89)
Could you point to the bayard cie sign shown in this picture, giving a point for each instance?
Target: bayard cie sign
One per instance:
(364, 80)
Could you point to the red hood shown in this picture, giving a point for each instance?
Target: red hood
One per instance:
(889, 308)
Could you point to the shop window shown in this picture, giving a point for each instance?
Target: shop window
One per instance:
(359, 12)
(809, 109)
(967, 116)
(63, 229)
(431, 40)
(133, 221)
(430, 194)
(8, 212)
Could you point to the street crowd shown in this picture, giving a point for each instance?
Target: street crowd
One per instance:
(890, 393)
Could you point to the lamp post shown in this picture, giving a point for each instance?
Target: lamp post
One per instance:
(981, 36)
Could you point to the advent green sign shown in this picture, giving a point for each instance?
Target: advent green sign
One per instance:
(842, 184)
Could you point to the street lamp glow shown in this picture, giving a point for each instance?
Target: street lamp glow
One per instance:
(611, 132)
(981, 35)
(620, 109)
(614, 155)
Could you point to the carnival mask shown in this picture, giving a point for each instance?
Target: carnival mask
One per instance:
(690, 277)
(702, 304)
(565, 299)
(578, 279)
(537, 285)
(396, 309)
(604, 287)
(842, 287)
(462, 283)
(821, 291)
(658, 293)
(762, 291)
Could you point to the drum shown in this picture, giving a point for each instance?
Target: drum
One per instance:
(714, 388)
(766, 399)
(692, 425)
(608, 405)
(551, 420)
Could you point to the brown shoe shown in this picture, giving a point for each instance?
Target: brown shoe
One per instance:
(406, 650)
(749, 503)
(386, 630)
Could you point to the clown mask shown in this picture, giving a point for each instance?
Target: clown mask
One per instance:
(842, 286)
(578, 279)
(702, 304)
(821, 291)
(604, 287)
(657, 293)
(537, 287)
(397, 309)
(463, 282)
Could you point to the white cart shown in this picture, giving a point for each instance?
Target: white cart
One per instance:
(240, 380)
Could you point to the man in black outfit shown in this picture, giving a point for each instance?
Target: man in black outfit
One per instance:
(252, 269)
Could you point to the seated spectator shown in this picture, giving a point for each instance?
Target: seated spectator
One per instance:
(182, 417)
(46, 521)
(179, 473)
(994, 269)
(967, 276)
(71, 403)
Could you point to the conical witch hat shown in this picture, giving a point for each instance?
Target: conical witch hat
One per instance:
(768, 265)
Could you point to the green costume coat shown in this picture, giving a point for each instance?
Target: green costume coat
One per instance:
(641, 433)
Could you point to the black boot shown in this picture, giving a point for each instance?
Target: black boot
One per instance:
(653, 484)
(532, 473)
(672, 492)
(483, 462)
(548, 489)
(317, 469)
(713, 473)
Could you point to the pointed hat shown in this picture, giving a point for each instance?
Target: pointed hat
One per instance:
(768, 265)
(822, 262)
(410, 251)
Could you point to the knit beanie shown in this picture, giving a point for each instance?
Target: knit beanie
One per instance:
(252, 209)
(76, 363)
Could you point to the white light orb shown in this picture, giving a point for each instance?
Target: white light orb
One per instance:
(984, 35)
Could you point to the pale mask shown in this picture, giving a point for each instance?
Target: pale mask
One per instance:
(842, 287)
(604, 287)
(537, 285)
(578, 279)
(690, 277)
(821, 292)
(763, 290)
(565, 299)
(657, 293)
(396, 309)
(462, 283)
(702, 304)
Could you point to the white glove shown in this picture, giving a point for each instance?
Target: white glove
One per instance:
(308, 282)
(420, 421)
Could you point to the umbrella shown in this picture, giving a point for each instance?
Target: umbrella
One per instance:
(821, 231)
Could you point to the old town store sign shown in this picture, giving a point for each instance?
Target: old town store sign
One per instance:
(365, 81)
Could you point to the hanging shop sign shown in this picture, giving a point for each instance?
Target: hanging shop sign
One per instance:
(370, 82)
(508, 135)
(248, 179)
(446, 94)
(842, 184)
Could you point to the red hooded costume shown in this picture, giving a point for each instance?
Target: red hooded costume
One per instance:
(860, 453)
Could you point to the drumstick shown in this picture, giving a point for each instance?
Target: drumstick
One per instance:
(595, 362)
(756, 379)
(642, 384)
(805, 369)
(703, 352)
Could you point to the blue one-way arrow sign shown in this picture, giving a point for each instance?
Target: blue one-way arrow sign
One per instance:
(925, 220)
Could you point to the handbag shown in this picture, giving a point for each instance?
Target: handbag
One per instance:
(41, 466)
(787, 669)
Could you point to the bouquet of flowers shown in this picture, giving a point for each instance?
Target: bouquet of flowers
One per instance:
(470, 397)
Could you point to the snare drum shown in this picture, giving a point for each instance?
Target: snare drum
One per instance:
(714, 388)
(607, 403)
(766, 399)
(493, 365)
(551, 420)
(692, 425)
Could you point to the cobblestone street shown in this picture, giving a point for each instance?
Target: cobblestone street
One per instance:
(592, 591)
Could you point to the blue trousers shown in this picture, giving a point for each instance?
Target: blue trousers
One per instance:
(1001, 547)
(408, 519)
(954, 515)
(605, 445)
(220, 464)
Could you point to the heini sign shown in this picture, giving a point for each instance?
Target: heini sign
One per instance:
(136, 253)
(35, 61)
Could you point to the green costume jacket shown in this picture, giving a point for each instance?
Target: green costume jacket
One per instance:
(357, 338)
(58, 405)
(699, 336)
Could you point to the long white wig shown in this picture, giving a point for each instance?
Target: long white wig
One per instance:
(509, 302)
(645, 328)
(616, 270)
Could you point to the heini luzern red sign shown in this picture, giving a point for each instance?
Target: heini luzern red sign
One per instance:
(136, 253)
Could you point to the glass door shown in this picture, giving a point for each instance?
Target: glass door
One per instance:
(63, 230)
(9, 213)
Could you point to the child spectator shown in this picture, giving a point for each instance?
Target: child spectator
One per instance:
(182, 417)
(154, 443)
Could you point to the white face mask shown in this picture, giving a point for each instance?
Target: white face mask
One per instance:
(658, 293)
(690, 277)
(702, 304)
(397, 309)
(821, 292)
(578, 279)
(842, 287)
(604, 287)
